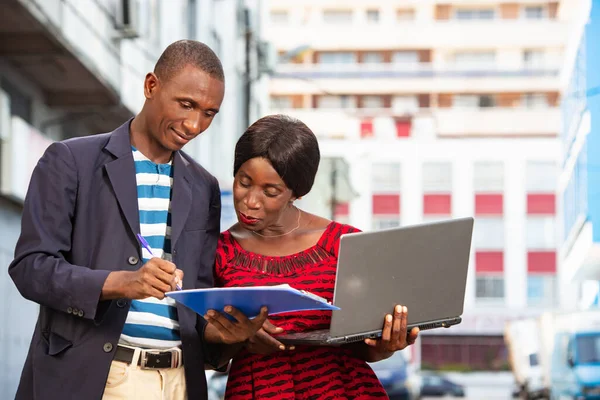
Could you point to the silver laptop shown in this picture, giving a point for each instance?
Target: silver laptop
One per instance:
(423, 267)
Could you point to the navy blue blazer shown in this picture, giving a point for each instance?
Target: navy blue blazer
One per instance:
(80, 221)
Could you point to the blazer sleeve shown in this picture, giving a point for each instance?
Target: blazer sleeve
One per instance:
(212, 352)
(39, 270)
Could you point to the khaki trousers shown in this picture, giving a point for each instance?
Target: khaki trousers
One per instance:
(129, 381)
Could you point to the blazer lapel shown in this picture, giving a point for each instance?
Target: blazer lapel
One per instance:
(121, 173)
(181, 200)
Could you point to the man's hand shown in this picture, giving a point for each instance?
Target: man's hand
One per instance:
(221, 329)
(153, 279)
(264, 343)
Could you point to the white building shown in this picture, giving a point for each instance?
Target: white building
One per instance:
(73, 68)
(439, 109)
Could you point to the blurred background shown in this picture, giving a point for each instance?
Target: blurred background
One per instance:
(425, 110)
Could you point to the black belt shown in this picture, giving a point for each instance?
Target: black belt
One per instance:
(150, 358)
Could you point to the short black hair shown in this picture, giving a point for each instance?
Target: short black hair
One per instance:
(288, 144)
(188, 52)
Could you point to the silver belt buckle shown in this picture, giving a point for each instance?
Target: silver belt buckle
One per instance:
(175, 358)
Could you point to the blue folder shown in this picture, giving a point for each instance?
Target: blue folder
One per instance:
(249, 300)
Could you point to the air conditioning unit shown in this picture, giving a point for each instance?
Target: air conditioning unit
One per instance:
(127, 18)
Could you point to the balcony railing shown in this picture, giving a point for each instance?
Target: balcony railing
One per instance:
(408, 70)
(352, 123)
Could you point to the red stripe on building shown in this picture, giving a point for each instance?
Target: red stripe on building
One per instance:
(342, 209)
(541, 204)
(403, 128)
(543, 262)
(366, 129)
(438, 204)
(489, 204)
(386, 204)
(489, 262)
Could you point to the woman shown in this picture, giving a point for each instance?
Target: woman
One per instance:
(274, 242)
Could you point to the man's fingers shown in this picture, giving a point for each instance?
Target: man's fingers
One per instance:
(270, 328)
(164, 265)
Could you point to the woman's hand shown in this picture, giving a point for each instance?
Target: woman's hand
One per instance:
(394, 336)
(264, 343)
(223, 330)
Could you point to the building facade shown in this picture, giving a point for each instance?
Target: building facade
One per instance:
(429, 110)
(73, 68)
(580, 176)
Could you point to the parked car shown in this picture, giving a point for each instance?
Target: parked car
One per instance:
(434, 385)
(395, 376)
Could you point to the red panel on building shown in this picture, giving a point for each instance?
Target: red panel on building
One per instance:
(543, 262)
(541, 204)
(489, 204)
(489, 262)
(366, 129)
(386, 204)
(403, 128)
(342, 209)
(437, 204)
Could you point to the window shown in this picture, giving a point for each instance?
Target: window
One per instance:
(385, 177)
(465, 101)
(488, 176)
(372, 57)
(437, 177)
(20, 103)
(489, 287)
(405, 104)
(373, 15)
(337, 57)
(372, 102)
(488, 233)
(405, 14)
(473, 101)
(474, 13)
(541, 290)
(534, 12)
(405, 57)
(385, 223)
(535, 100)
(534, 58)
(337, 16)
(541, 176)
(474, 59)
(279, 17)
(336, 102)
(281, 102)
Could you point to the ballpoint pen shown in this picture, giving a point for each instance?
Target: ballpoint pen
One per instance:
(147, 247)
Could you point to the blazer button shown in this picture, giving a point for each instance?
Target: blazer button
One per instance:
(132, 260)
(75, 311)
(80, 313)
(107, 347)
(70, 310)
(121, 303)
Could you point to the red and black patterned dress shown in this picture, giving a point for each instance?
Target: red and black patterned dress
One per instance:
(318, 372)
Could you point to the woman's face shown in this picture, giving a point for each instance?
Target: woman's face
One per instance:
(260, 196)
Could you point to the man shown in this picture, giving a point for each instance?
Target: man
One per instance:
(102, 297)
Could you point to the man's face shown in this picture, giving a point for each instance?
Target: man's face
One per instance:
(181, 107)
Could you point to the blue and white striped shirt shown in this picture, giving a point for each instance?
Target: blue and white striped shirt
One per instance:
(153, 323)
